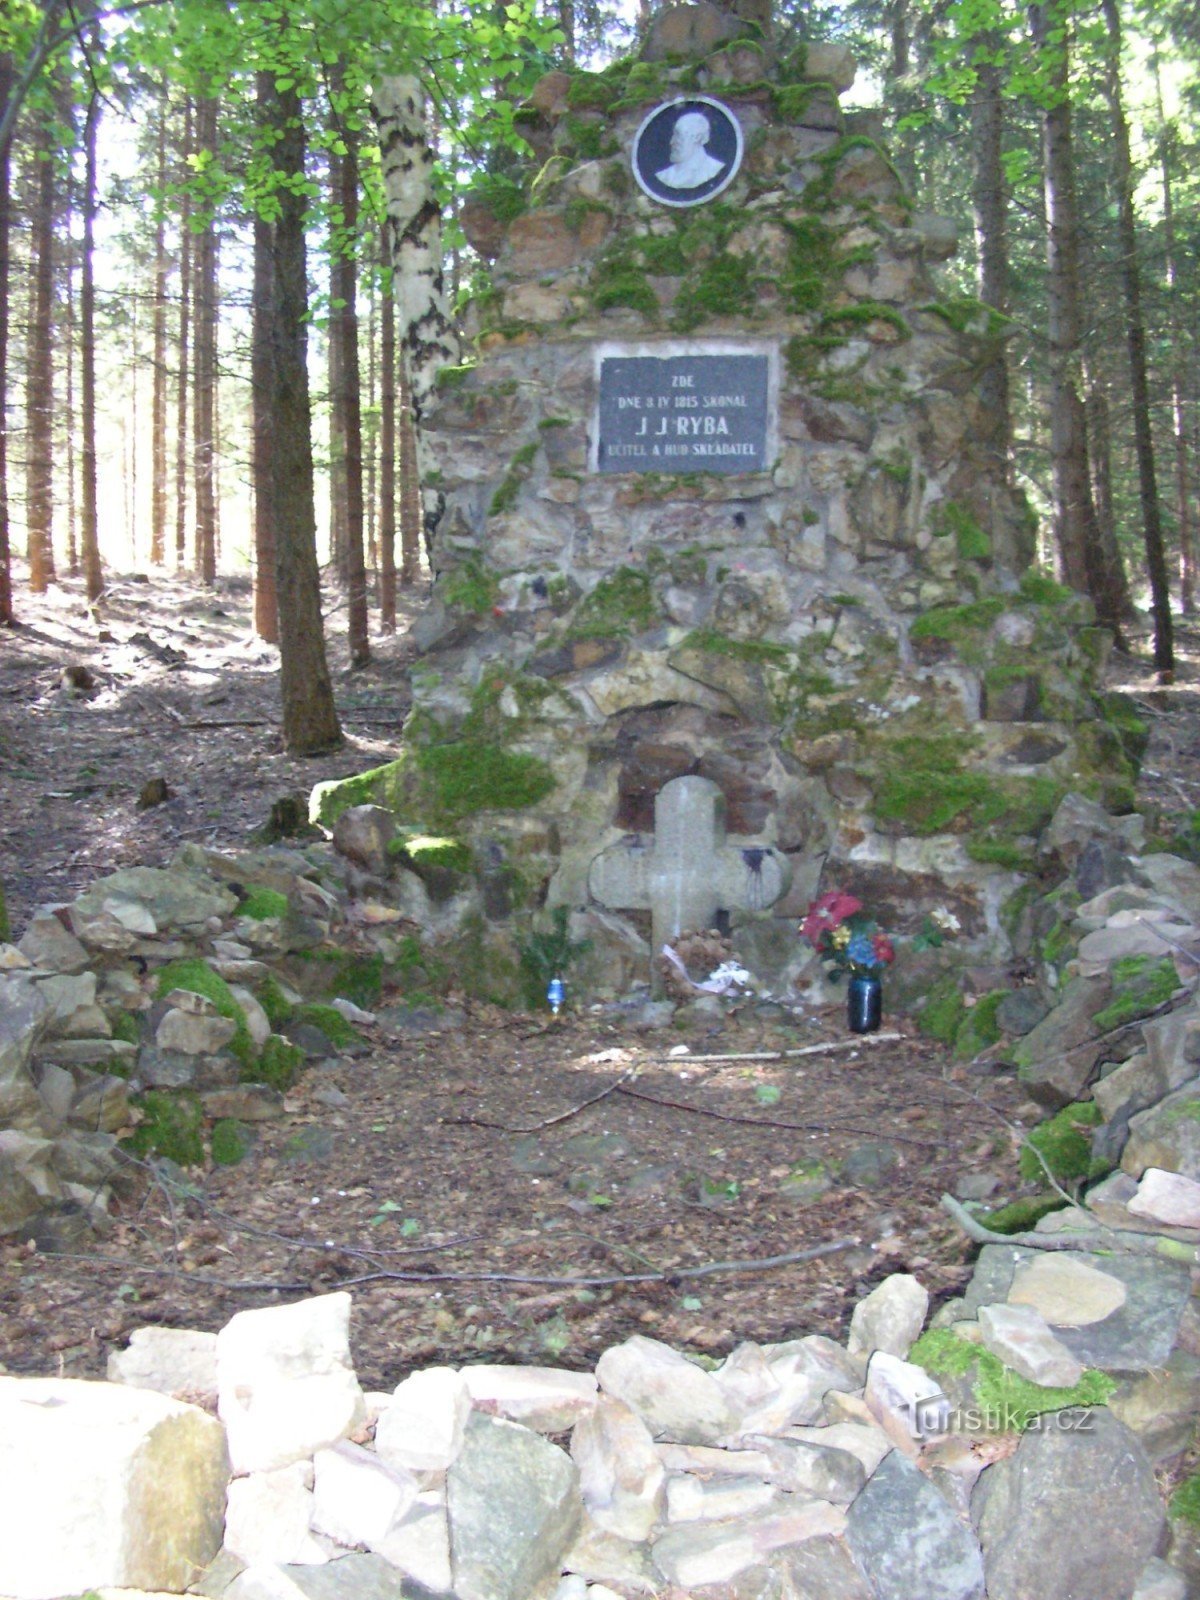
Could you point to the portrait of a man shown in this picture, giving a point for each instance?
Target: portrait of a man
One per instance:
(691, 165)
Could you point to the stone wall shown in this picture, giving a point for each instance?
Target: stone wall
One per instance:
(849, 644)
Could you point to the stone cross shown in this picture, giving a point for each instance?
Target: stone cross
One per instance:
(689, 872)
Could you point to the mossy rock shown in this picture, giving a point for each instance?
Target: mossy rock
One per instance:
(1184, 1504)
(276, 1005)
(126, 1027)
(958, 624)
(619, 605)
(278, 1065)
(230, 1142)
(172, 1126)
(943, 1012)
(1020, 1216)
(1140, 985)
(198, 977)
(439, 785)
(5, 925)
(470, 587)
(1065, 1145)
(262, 904)
(357, 978)
(341, 1033)
(979, 1030)
(1005, 1402)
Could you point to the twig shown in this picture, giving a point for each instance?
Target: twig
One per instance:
(667, 1275)
(781, 1055)
(1128, 1244)
(771, 1122)
(547, 1122)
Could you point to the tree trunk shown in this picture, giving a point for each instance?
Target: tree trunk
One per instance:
(7, 616)
(266, 608)
(310, 722)
(69, 333)
(371, 438)
(1135, 337)
(39, 375)
(348, 398)
(427, 337)
(1076, 529)
(1099, 431)
(412, 520)
(1179, 370)
(989, 193)
(92, 573)
(158, 403)
(185, 314)
(387, 453)
(566, 21)
(204, 406)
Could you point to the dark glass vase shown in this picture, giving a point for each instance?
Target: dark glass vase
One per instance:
(864, 1004)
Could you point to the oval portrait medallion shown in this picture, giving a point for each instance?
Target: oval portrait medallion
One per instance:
(687, 151)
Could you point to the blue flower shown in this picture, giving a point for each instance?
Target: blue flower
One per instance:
(860, 952)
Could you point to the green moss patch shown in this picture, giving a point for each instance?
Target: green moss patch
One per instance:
(1140, 985)
(942, 1014)
(1019, 1216)
(957, 623)
(953, 521)
(1009, 1403)
(979, 1029)
(358, 979)
(172, 1126)
(261, 904)
(425, 850)
(341, 1033)
(274, 1002)
(470, 587)
(1184, 1504)
(618, 280)
(230, 1142)
(1064, 1144)
(278, 1065)
(436, 786)
(618, 606)
(198, 977)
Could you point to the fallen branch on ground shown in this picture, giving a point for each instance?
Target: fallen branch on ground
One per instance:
(546, 1122)
(787, 1055)
(772, 1122)
(1109, 1243)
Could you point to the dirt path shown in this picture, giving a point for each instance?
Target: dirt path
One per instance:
(418, 1174)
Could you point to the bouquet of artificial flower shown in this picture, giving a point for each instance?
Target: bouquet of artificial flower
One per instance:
(845, 937)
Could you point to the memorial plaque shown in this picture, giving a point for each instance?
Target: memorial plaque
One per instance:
(684, 412)
(687, 151)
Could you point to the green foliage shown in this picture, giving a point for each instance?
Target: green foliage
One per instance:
(547, 954)
(942, 1014)
(1140, 985)
(274, 1002)
(341, 1033)
(957, 622)
(198, 977)
(1019, 1216)
(721, 288)
(278, 1065)
(1039, 589)
(846, 318)
(172, 1126)
(125, 1026)
(979, 1029)
(619, 605)
(229, 1142)
(470, 587)
(1063, 1145)
(1010, 1402)
(951, 520)
(262, 903)
(1184, 1504)
(503, 196)
(358, 979)
(619, 281)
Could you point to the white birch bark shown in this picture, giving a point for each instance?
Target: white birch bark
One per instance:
(428, 340)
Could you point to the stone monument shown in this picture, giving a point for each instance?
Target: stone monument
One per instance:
(723, 506)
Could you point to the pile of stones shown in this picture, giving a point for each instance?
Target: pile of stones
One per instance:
(806, 1468)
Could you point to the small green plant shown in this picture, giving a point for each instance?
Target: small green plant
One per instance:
(230, 1142)
(277, 1065)
(342, 1035)
(1064, 1146)
(768, 1094)
(548, 954)
(172, 1126)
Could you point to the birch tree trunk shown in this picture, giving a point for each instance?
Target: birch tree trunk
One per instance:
(89, 527)
(427, 337)
(387, 455)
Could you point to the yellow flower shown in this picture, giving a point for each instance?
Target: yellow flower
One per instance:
(840, 937)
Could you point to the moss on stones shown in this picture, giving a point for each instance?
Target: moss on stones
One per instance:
(1063, 1145)
(229, 1142)
(437, 785)
(953, 521)
(470, 587)
(262, 904)
(958, 623)
(341, 1033)
(1184, 1504)
(275, 1004)
(942, 1014)
(172, 1126)
(503, 196)
(1008, 1403)
(979, 1029)
(431, 850)
(755, 650)
(358, 979)
(198, 977)
(1140, 985)
(278, 1065)
(619, 280)
(619, 605)
(722, 287)
(1019, 1216)
(1039, 589)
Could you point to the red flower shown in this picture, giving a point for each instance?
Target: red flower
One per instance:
(885, 950)
(826, 913)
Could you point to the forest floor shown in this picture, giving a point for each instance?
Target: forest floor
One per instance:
(462, 1180)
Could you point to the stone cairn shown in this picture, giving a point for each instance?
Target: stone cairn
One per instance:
(835, 633)
(1010, 1449)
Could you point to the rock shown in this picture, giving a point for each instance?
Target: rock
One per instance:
(909, 1542)
(890, 1318)
(423, 1426)
(620, 1475)
(1074, 1511)
(20, 1200)
(105, 1485)
(1077, 822)
(906, 1402)
(350, 1577)
(1158, 1581)
(694, 31)
(1056, 1059)
(819, 1469)
(357, 1498)
(102, 1103)
(865, 1441)
(1177, 880)
(50, 947)
(870, 1165)
(1021, 1337)
(1020, 1012)
(691, 1499)
(674, 1397)
(362, 834)
(1118, 1313)
(176, 900)
(833, 64)
(285, 1381)
(268, 1517)
(1161, 1406)
(176, 1361)
(1167, 1135)
(23, 1014)
(542, 1398)
(513, 1501)
(696, 1554)
(194, 1035)
(244, 1102)
(1167, 1197)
